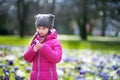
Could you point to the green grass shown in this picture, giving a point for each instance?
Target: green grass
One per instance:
(71, 42)
(14, 40)
(93, 45)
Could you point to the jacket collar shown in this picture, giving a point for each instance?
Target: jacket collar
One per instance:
(51, 35)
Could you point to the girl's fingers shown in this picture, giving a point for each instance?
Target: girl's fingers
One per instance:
(38, 45)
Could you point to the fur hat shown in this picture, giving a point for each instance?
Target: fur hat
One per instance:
(45, 20)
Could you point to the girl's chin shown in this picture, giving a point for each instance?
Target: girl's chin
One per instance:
(41, 35)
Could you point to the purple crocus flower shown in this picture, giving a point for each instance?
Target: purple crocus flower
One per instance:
(78, 67)
(28, 69)
(10, 62)
(64, 70)
(101, 65)
(119, 56)
(34, 42)
(104, 75)
(6, 78)
(1, 65)
(80, 78)
(6, 72)
(17, 78)
(83, 72)
(16, 68)
(115, 67)
(118, 72)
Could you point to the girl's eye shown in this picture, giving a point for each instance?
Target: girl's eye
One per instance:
(44, 28)
(38, 28)
(41, 28)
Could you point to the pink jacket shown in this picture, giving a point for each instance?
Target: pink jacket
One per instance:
(44, 61)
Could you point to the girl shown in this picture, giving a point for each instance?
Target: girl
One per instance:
(45, 49)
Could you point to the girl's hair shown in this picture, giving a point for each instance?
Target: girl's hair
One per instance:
(33, 38)
(42, 39)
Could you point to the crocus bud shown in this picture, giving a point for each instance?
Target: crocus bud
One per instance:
(35, 41)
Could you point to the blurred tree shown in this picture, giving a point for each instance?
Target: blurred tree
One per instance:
(3, 18)
(82, 18)
(83, 27)
(115, 15)
(22, 12)
(104, 24)
(63, 16)
(2, 1)
(53, 6)
(108, 9)
(14, 12)
(3, 29)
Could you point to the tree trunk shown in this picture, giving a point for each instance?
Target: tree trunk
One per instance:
(22, 10)
(20, 13)
(53, 7)
(83, 27)
(104, 25)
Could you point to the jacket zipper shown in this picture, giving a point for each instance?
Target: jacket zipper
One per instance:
(51, 73)
(38, 76)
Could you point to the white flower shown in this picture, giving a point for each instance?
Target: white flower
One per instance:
(20, 73)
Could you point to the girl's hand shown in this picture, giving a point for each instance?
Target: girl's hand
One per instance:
(37, 47)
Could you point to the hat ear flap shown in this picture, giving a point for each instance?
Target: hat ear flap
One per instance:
(37, 16)
(51, 19)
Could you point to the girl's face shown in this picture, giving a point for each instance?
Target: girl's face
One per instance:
(42, 30)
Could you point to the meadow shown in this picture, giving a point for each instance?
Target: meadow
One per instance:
(95, 59)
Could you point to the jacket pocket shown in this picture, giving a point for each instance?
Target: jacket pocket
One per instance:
(33, 75)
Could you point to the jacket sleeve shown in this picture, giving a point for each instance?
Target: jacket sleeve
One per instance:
(54, 54)
(30, 54)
